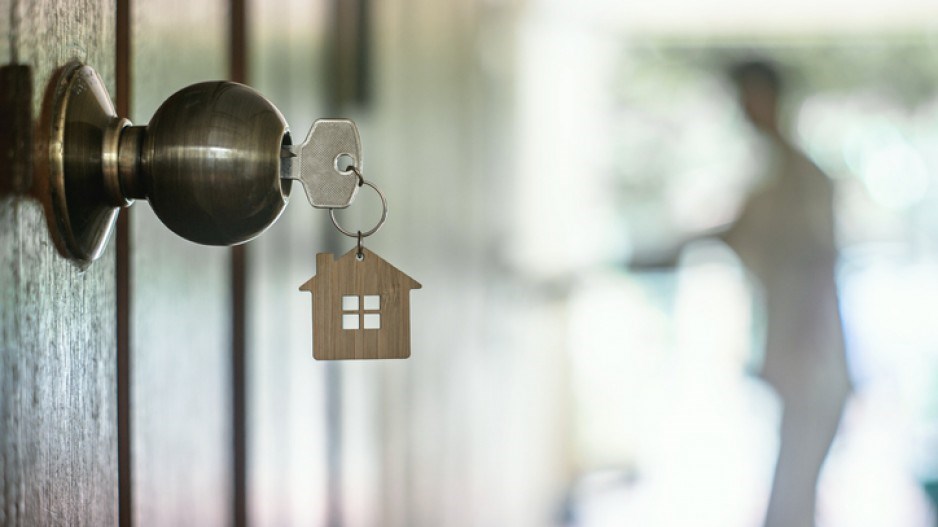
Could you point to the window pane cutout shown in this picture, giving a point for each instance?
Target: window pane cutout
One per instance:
(372, 302)
(361, 313)
(372, 321)
(350, 321)
(349, 303)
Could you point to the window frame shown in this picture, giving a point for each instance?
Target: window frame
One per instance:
(360, 311)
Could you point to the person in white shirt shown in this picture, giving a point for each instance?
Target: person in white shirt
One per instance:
(784, 235)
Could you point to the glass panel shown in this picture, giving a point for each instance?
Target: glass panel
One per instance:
(288, 421)
(180, 307)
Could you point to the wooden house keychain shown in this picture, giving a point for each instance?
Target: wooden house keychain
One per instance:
(361, 303)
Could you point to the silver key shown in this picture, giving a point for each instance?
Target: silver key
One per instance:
(323, 163)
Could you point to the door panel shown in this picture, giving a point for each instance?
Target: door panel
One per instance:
(287, 437)
(58, 417)
(180, 300)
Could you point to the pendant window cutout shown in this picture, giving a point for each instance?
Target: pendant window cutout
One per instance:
(361, 312)
(372, 321)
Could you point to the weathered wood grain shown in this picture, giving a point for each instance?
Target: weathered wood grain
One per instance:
(58, 454)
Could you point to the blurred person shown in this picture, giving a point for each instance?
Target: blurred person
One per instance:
(784, 235)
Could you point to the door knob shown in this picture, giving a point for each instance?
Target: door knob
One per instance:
(214, 162)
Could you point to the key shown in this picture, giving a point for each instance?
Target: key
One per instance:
(323, 163)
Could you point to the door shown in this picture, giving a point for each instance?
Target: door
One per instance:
(117, 385)
(58, 366)
(128, 387)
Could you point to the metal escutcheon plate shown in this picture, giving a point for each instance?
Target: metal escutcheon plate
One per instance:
(79, 119)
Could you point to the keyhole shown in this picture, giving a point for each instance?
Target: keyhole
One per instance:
(344, 163)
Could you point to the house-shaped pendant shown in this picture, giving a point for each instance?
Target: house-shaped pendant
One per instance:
(361, 307)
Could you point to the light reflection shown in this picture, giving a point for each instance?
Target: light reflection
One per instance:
(895, 175)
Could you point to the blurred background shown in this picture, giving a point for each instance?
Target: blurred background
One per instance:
(528, 150)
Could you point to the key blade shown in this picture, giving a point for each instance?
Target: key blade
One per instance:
(329, 142)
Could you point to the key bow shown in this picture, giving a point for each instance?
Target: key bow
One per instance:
(324, 163)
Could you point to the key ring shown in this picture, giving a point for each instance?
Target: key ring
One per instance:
(384, 212)
(357, 172)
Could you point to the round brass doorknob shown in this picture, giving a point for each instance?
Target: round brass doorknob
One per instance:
(209, 162)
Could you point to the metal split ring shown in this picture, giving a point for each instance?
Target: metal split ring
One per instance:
(360, 234)
(357, 172)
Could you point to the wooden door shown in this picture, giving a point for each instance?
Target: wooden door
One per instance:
(118, 390)
(58, 405)
(140, 389)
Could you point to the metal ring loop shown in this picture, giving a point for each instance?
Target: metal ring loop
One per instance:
(384, 216)
(357, 172)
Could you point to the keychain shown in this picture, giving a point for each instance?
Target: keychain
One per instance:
(361, 303)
